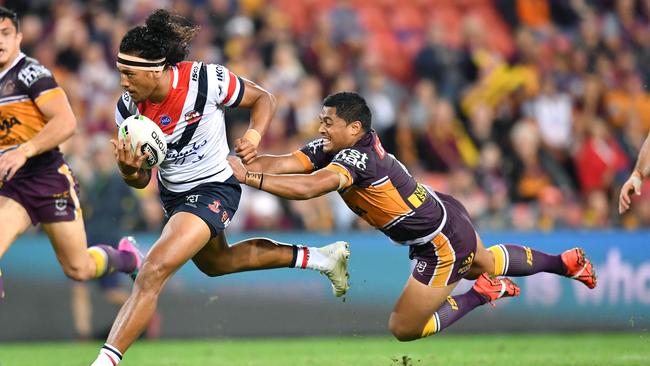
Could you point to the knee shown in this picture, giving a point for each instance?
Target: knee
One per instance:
(402, 332)
(152, 276)
(76, 272)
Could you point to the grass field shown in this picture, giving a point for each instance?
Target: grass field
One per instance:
(484, 350)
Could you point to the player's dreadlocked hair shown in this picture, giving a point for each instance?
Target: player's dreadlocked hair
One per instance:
(350, 107)
(164, 35)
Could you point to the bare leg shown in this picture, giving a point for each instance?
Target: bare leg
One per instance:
(414, 308)
(217, 258)
(15, 221)
(183, 236)
(68, 239)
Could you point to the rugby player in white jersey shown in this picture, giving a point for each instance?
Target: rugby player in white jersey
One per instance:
(197, 188)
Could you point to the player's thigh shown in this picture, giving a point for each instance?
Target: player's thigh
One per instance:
(415, 306)
(216, 248)
(183, 236)
(68, 239)
(15, 220)
(483, 261)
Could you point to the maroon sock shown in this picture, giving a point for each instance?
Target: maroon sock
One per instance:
(455, 308)
(118, 260)
(524, 261)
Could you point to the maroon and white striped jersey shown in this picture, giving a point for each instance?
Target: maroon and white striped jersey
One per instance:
(192, 119)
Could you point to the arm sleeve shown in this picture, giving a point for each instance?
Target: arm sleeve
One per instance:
(38, 81)
(225, 87)
(312, 155)
(125, 108)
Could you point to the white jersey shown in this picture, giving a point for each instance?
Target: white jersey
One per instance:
(192, 118)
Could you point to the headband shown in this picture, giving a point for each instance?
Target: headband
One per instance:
(139, 63)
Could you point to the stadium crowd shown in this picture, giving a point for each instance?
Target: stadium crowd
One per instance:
(530, 112)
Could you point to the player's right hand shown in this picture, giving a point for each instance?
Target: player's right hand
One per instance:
(128, 160)
(238, 169)
(633, 184)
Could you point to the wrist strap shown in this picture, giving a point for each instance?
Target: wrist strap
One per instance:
(254, 179)
(28, 149)
(253, 136)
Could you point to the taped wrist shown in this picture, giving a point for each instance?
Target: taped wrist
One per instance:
(254, 179)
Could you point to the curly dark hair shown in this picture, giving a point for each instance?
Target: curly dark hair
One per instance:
(163, 35)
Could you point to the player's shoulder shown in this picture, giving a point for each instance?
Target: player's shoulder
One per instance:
(30, 70)
(315, 145)
(359, 157)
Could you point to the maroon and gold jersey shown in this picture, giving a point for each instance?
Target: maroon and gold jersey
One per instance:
(380, 189)
(23, 86)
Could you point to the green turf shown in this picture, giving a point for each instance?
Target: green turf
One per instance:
(454, 350)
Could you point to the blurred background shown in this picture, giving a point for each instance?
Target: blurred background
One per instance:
(530, 112)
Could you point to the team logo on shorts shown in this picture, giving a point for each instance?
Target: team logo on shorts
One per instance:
(421, 266)
(60, 204)
(467, 263)
(224, 217)
(215, 206)
(165, 120)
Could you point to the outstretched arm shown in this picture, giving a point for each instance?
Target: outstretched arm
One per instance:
(291, 186)
(633, 183)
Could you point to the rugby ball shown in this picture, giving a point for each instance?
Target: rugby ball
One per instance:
(142, 129)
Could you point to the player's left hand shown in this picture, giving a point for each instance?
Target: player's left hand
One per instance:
(10, 162)
(237, 168)
(245, 149)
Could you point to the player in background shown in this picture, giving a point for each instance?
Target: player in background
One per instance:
(197, 188)
(633, 183)
(36, 184)
(442, 242)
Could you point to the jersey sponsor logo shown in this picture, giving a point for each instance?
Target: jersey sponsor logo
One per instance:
(6, 124)
(195, 73)
(32, 73)
(192, 199)
(165, 120)
(190, 155)
(421, 266)
(126, 97)
(220, 73)
(352, 157)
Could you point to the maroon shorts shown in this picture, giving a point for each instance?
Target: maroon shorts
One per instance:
(445, 259)
(48, 194)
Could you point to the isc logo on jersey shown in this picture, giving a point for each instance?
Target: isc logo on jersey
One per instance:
(32, 73)
(352, 157)
(142, 129)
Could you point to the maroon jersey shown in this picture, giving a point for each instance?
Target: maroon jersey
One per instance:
(23, 87)
(380, 189)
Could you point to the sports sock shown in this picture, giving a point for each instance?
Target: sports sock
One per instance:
(310, 257)
(516, 260)
(108, 356)
(109, 259)
(451, 310)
